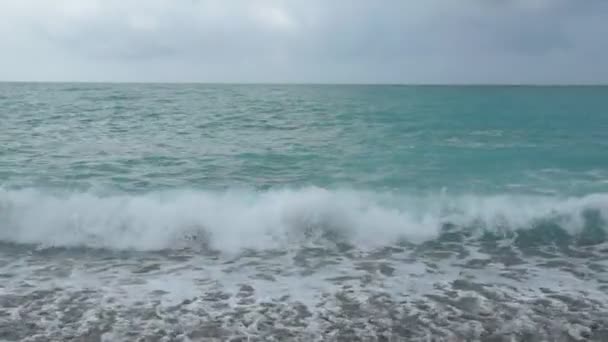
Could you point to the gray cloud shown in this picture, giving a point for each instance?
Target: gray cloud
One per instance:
(392, 41)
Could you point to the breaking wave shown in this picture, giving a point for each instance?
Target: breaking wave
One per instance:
(235, 220)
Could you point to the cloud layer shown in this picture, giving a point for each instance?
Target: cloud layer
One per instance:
(343, 41)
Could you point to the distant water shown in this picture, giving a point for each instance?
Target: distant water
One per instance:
(303, 213)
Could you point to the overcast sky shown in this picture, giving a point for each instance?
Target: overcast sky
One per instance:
(320, 41)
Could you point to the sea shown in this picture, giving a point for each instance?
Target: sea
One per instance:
(218, 212)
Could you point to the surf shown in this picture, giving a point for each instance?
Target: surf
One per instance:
(235, 220)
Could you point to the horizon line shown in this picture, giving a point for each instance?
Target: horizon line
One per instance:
(413, 84)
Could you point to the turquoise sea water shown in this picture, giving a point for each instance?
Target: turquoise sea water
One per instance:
(137, 138)
(509, 183)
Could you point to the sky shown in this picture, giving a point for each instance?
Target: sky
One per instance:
(305, 41)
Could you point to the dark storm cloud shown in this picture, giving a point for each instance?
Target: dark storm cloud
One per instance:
(431, 41)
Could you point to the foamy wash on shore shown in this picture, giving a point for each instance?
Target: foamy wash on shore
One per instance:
(194, 212)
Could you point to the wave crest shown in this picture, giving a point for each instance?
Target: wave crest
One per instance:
(236, 220)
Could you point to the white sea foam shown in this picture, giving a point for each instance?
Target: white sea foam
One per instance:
(234, 220)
